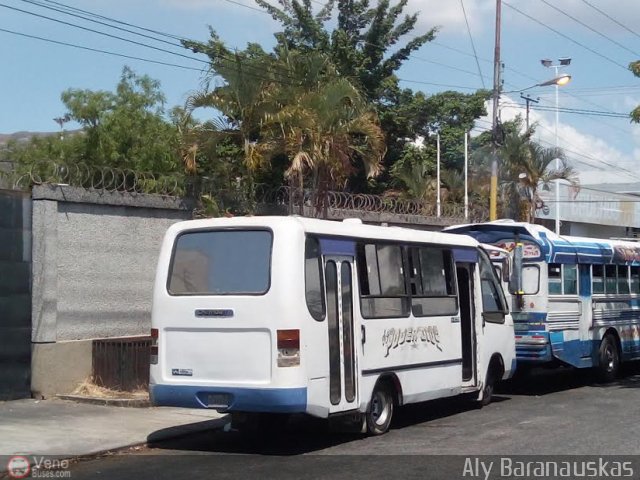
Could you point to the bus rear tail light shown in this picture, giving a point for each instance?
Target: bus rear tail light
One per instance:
(153, 357)
(288, 348)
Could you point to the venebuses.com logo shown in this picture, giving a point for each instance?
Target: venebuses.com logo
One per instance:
(20, 466)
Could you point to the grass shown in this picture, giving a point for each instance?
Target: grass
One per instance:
(89, 388)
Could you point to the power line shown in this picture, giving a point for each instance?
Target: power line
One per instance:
(599, 162)
(600, 122)
(437, 84)
(97, 50)
(612, 19)
(475, 54)
(533, 19)
(76, 15)
(590, 28)
(102, 33)
(577, 111)
(110, 19)
(249, 67)
(247, 6)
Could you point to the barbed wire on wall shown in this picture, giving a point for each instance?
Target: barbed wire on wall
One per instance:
(240, 199)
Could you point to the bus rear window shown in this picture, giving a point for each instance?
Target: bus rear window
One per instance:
(223, 262)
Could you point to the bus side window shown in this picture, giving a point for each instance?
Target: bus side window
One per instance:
(597, 278)
(437, 287)
(383, 292)
(635, 279)
(314, 290)
(493, 301)
(611, 279)
(555, 279)
(623, 279)
(570, 279)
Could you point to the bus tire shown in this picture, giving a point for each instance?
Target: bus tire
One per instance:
(494, 373)
(608, 359)
(380, 411)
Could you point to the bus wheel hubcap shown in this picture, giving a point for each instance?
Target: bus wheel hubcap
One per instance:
(608, 353)
(379, 408)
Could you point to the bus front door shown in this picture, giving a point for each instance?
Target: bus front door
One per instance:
(343, 385)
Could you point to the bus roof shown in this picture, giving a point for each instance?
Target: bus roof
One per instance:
(349, 228)
(554, 248)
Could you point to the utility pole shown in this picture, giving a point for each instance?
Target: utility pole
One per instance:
(528, 99)
(493, 199)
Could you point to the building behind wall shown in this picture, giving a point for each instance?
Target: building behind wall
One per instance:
(591, 212)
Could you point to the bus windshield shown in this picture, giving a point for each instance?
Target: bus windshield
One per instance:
(221, 262)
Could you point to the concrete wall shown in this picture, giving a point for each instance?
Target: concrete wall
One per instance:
(94, 260)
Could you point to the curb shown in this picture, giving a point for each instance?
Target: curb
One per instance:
(108, 402)
(165, 434)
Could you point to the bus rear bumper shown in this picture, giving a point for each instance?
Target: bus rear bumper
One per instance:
(225, 399)
(533, 348)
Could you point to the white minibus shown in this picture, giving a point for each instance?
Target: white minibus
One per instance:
(258, 316)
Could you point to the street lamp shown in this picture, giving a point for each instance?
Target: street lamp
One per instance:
(558, 81)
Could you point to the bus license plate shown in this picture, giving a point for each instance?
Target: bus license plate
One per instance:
(218, 400)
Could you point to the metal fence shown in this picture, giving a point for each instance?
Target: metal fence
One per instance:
(237, 200)
(121, 363)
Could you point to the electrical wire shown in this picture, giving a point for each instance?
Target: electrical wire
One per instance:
(110, 19)
(473, 46)
(97, 50)
(164, 50)
(612, 19)
(577, 111)
(606, 37)
(88, 19)
(567, 37)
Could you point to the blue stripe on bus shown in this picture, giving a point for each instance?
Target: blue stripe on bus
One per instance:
(266, 400)
(329, 246)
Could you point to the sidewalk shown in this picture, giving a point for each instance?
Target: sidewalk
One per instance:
(67, 429)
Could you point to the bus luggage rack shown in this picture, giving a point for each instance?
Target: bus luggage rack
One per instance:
(122, 363)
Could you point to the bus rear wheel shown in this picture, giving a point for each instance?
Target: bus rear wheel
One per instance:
(380, 410)
(609, 359)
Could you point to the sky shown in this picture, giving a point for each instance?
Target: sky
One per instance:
(600, 36)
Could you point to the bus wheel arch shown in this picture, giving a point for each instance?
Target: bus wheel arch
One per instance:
(609, 356)
(385, 396)
(495, 371)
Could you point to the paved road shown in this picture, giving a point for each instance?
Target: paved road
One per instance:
(552, 413)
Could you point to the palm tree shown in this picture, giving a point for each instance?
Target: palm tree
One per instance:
(323, 125)
(527, 166)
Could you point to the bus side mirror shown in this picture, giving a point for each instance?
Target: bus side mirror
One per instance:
(515, 279)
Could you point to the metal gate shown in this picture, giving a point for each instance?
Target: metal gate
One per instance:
(15, 294)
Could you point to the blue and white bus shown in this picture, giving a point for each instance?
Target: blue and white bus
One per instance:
(574, 300)
(259, 316)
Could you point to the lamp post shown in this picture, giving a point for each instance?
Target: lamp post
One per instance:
(562, 62)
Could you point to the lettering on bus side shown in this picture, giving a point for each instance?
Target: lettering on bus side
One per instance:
(392, 338)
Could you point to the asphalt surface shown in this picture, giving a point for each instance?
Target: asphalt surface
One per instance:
(560, 412)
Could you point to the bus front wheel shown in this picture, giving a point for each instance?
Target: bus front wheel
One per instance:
(609, 359)
(380, 410)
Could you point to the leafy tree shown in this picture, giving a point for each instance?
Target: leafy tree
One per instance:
(362, 44)
(359, 44)
(125, 128)
(635, 68)
(288, 106)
